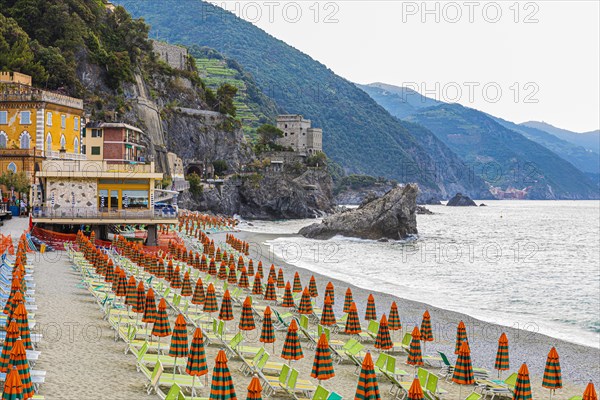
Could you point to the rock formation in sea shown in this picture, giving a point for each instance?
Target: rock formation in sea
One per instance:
(392, 216)
(460, 201)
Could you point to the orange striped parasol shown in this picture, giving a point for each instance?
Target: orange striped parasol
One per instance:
(414, 351)
(257, 285)
(272, 273)
(210, 300)
(12, 333)
(415, 392)
(312, 287)
(161, 327)
(270, 293)
(383, 341)
(243, 282)
(367, 388)
(426, 333)
(394, 323)
(222, 274)
(502, 361)
(288, 299)
(226, 311)
(461, 335)
(322, 368)
(280, 280)
(254, 389)
(352, 322)
(297, 287)
(259, 270)
(590, 392)
(221, 387)
(463, 370)
(247, 318)
(232, 275)
(267, 333)
(348, 300)
(523, 385)
(196, 362)
(328, 317)
(292, 350)
(552, 375)
(329, 291)
(371, 313)
(179, 341)
(13, 388)
(186, 285)
(305, 306)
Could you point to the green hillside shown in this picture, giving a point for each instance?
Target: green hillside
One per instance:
(253, 107)
(504, 157)
(358, 133)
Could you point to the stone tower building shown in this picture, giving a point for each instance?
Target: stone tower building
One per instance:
(299, 135)
(175, 56)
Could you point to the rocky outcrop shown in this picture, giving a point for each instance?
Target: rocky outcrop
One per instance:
(392, 216)
(269, 196)
(460, 201)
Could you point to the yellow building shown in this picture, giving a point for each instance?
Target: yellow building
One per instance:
(36, 124)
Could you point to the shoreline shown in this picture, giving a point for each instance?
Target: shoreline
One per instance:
(579, 362)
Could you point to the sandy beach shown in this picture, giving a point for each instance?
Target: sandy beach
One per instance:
(82, 359)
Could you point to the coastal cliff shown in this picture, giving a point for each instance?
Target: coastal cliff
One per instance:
(392, 216)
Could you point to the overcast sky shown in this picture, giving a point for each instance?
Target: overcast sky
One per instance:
(519, 61)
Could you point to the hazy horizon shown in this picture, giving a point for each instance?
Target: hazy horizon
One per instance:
(526, 61)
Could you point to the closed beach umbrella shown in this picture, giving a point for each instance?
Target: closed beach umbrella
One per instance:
(371, 312)
(291, 347)
(305, 306)
(250, 268)
(196, 362)
(328, 317)
(394, 323)
(322, 368)
(259, 270)
(221, 387)
(257, 285)
(160, 268)
(18, 359)
(186, 285)
(312, 287)
(212, 267)
(288, 299)
(367, 388)
(131, 297)
(590, 392)
(140, 299)
(240, 263)
(169, 271)
(502, 361)
(270, 293)
(161, 327)
(414, 351)
(280, 280)
(254, 389)
(12, 304)
(226, 311)
(348, 300)
(13, 388)
(12, 333)
(222, 275)
(329, 291)
(120, 284)
(352, 322)
(416, 391)
(426, 333)
(247, 318)
(179, 341)
(463, 370)
(522, 386)
(150, 311)
(461, 334)
(210, 300)
(267, 333)
(243, 282)
(383, 341)
(176, 279)
(232, 276)
(198, 297)
(272, 273)
(297, 287)
(20, 316)
(552, 376)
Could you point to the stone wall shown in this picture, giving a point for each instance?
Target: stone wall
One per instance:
(85, 190)
(175, 56)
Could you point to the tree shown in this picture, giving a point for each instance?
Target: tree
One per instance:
(18, 181)
(268, 134)
(220, 166)
(225, 96)
(195, 184)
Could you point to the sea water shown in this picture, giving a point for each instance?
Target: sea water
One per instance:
(532, 265)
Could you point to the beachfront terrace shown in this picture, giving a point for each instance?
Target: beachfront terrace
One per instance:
(101, 216)
(96, 169)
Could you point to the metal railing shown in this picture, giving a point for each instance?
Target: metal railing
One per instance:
(65, 156)
(101, 214)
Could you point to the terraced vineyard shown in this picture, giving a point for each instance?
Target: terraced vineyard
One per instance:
(214, 72)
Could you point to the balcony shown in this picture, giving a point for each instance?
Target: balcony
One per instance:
(21, 153)
(96, 169)
(65, 156)
(17, 92)
(101, 216)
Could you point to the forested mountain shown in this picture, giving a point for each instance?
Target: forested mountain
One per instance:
(502, 157)
(589, 140)
(398, 101)
(358, 133)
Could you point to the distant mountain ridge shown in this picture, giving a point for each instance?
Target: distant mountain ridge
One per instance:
(589, 140)
(398, 101)
(358, 133)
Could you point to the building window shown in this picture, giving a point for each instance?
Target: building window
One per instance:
(83, 149)
(63, 142)
(49, 118)
(135, 198)
(12, 167)
(25, 140)
(63, 121)
(3, 140)
(95, 150)
(76, 124)
(3, 117)
(96, 132)
(25, 117)
(48, 143)
(76, 146)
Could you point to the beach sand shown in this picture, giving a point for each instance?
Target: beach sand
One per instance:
(82, 359)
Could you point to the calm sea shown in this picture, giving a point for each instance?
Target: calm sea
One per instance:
(532, 265)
